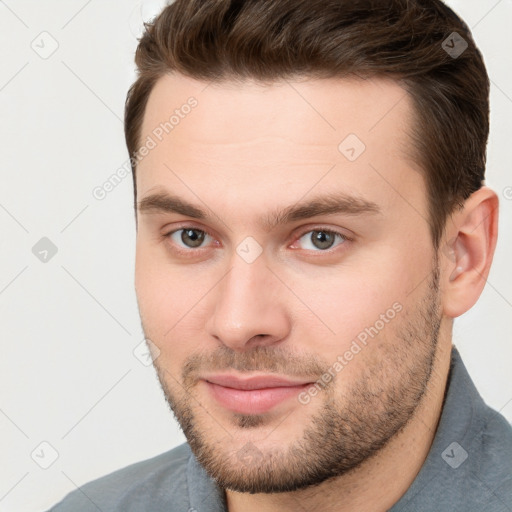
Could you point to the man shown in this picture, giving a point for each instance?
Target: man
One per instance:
(311, 217)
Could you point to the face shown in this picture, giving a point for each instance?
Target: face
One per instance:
(285, 273)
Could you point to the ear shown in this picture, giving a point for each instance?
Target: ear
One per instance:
(466, 256)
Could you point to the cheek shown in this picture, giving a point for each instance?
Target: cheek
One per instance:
(170, 305)
(160, 292)
(352, 299)
(365, 306)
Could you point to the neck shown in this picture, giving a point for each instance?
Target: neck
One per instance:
(379, 482)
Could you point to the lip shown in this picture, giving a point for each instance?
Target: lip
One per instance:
(253, 382)
(252, 395)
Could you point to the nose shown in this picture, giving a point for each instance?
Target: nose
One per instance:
(250, 307)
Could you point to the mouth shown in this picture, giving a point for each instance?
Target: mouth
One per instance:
(255, 394)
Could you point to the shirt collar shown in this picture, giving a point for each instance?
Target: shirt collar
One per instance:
(463, 417)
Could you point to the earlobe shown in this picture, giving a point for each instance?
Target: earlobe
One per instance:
(469, 253)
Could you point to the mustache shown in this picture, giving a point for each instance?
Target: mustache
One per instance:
(261, 358)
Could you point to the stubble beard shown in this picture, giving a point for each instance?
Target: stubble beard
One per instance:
(352, 425)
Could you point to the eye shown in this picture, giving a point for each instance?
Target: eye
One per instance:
(322, 239)
(188, 237)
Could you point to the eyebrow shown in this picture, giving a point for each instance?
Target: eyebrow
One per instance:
(329, 204)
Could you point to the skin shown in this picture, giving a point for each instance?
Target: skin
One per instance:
(244, 151)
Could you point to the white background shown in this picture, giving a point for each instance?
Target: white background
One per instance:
(68, 374)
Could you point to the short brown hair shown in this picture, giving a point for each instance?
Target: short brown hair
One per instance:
(268, 40)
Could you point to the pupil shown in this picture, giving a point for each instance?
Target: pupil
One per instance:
(325, 240)
(192, 237)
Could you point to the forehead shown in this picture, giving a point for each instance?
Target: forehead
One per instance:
(251, 137)
(329, 106)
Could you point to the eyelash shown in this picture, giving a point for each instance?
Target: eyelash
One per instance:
(189, 251)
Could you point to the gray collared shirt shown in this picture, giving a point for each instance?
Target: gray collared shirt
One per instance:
(468, 468)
